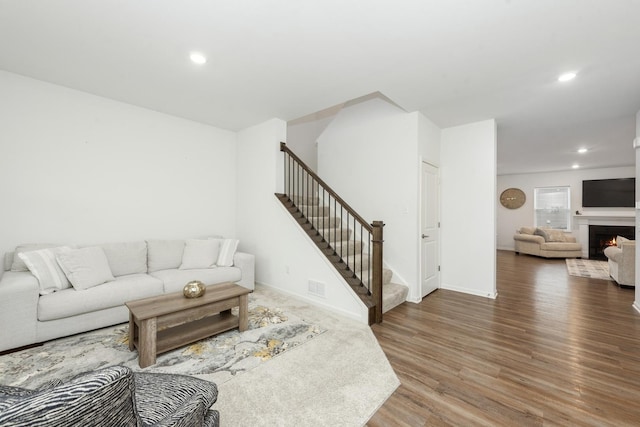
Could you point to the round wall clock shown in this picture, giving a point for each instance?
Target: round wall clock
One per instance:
(512, 198)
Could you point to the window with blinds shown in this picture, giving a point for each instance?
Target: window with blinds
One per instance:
(552, 206)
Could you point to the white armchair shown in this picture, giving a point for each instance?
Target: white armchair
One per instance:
(622, 261)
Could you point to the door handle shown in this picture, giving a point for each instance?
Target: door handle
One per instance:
(424, 236)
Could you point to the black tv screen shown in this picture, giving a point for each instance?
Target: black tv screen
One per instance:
(609, 193)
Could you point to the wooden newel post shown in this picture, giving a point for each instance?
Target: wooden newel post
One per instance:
(376, 282)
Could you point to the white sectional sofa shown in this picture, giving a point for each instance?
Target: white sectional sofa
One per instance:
(78, 292)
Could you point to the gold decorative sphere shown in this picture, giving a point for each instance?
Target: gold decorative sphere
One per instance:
(194, 289)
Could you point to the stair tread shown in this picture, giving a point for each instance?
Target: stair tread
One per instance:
(393, 294)
(321, 225)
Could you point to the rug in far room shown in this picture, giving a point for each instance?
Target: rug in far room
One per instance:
(590, 268)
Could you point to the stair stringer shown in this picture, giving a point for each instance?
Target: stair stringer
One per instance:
(344, 287)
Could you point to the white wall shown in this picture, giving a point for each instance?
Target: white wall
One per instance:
(369, 156)
(468, 183)
(429, 136)
(79, 168)
(636, 304)
(510, 220)
(303, 133)
(286, 258)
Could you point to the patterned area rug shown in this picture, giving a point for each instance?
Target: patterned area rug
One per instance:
(593, 269)
(271, 332)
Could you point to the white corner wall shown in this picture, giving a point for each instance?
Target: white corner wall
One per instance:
(78, 168)
(286, 258)
(368, 155)
(636, 143)
(468, 188)
(509, 220)
(303, 134)
(429, 136)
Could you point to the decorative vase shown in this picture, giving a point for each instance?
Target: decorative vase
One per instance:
(194, 289)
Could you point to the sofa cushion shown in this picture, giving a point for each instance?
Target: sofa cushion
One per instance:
(200, 254)
(527, 230)
(551, 235)
(561, 246)
(8, 260)
(126, 257)
(70, 302)
(556, 236)
(18, 264)
(164, 254)
(174, 279)
(85, 267)
(42, 264)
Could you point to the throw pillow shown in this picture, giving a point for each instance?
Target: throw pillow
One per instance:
(18, 264)
(42, 264)
(620, 240)
(199, 254)
(527, 230)
(228, 249)
(86, 267)
(540, 232)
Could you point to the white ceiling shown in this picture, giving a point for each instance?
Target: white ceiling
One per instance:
(457, 61)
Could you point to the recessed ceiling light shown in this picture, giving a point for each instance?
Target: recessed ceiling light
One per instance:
(566, 77)
(575, 166)
(582, 150)
(197, 58)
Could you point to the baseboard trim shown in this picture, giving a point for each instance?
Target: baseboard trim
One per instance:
(317, 303)
(490, 295)
(636, 305)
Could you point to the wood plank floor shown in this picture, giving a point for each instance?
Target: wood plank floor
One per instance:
(552, 349)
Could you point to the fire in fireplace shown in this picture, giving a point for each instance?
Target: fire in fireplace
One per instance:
(603, 236)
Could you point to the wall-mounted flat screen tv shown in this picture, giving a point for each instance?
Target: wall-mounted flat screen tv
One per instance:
(609, 193)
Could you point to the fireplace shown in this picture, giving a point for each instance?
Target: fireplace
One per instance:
(603, 236)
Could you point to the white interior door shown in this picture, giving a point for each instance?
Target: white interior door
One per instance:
(430, 229)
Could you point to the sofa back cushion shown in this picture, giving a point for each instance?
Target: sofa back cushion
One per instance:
(126, 257)
(551, 235)
(526, 230)
(8, 260)
(164, 254)
(18, 264)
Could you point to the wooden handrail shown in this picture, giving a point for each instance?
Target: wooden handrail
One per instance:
(365, 281)
(352, 212)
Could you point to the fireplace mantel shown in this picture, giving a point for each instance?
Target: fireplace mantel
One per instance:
(583, 222)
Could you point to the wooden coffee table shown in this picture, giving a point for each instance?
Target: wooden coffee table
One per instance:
(162, 323)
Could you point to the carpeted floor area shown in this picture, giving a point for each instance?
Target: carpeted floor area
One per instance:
(297, 365)
(339, 378)
(271, 332)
